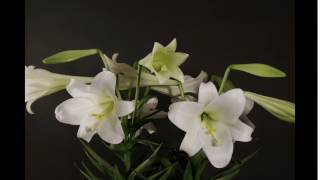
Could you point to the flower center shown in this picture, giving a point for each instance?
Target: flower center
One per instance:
(208, 124)
(159, 67)
(106, 106)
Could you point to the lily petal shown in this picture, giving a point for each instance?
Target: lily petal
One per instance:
(228, 107)
(248, 107)
(125, 108)
(159, 115)
(111, 130)
(78, 89)
(177, 74)
(190, 143)
(88, 128)
(219, 155)
(105, 81)
(241, 131)
(150, 127)
(72, 111)
(172, 45)
(207, 92)
(185, 115)
(180, 58)
(247, 121)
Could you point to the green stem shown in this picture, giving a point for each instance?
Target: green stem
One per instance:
(146, 91)
(117, 88)
(127, 161)
(181, 90)
(104, 60)
(224, 80)
(136, 97)
(129, 94)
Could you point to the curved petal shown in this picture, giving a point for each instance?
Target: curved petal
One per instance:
(72, 111)
(207, 92)
(125, 108)
(78, 89)
(149, 106)
(88, 128)
(190, 143)
(179, 58)
(111, 130)
(150, 127)
(241, 132)
(247, 121)
(220, 154)
(177, 74)
(248, 107)
(159, 115)
(105, 82)
(163, 76)
(228, 107)
(185, 115)
(146, 62)
(172, 46)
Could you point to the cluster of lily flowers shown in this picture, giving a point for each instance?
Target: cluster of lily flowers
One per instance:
(212, 119)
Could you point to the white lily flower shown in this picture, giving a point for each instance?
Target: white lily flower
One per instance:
(40, 83)
(212, 123)
(95, 108)
(165, 62)
(149, 111)
(128, 75)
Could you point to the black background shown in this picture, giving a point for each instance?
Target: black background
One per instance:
(214, 33)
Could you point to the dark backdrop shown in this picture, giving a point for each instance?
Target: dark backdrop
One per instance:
(215, 33)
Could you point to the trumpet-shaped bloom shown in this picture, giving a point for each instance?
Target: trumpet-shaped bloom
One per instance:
(212, 123)
(165, 62)
(95, 108)
(40, 83)
(128, 75)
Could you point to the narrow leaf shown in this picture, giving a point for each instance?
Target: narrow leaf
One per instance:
(144, 164)
(167, 174)
(97, 160)
(188, 172)
(68, 56)
(261, 70)
(116, 174)
(163, 171)
(281, 109)
(230, 176)
(235, 169)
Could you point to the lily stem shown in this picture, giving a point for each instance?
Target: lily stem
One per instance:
(225, 77)
(181, 90)
(136, 97)
(104, 60)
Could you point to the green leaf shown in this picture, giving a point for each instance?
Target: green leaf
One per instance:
(261, 70)
(68, 56)
(200, 169)
(116, 174)
(167, 174)
(85, 174)
(230, 176)
(188, 172)
(235, 169)
(89, 173)
(218, 80)
(97, 161)
(144, 164)
(281, 109)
